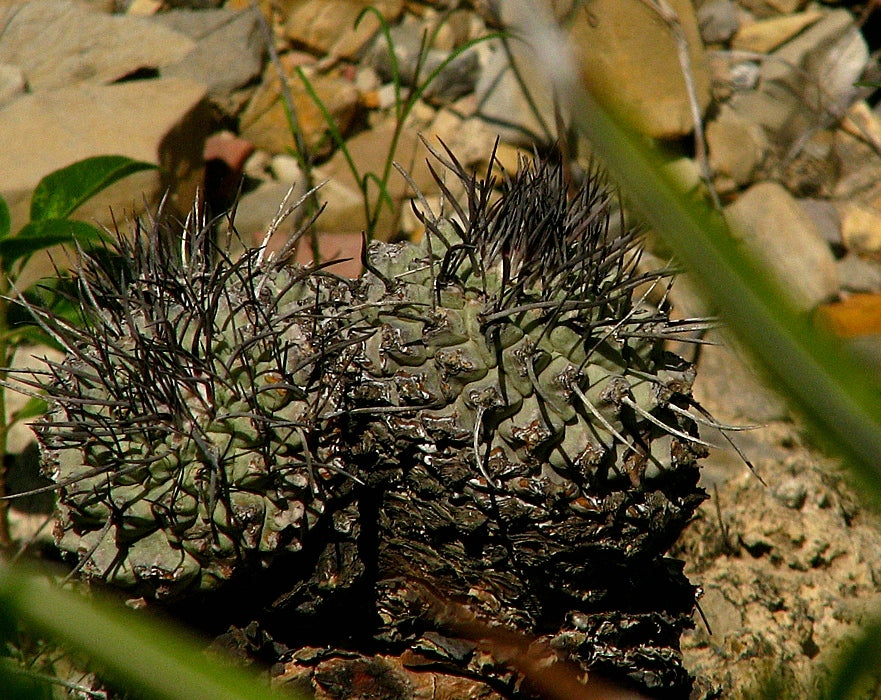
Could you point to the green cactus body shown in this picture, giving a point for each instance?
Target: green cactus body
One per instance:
(490, 412)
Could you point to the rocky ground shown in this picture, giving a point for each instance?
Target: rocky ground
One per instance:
(789, 567)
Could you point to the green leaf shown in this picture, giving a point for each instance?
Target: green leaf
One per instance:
(855, 674)
(35, 406)
(39, 235)
(60, 193)
(140, 655)
(5, 219)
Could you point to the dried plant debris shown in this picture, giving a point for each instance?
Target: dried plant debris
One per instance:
(489, 415)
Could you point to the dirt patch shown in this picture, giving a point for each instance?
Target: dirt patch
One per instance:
(789, 569)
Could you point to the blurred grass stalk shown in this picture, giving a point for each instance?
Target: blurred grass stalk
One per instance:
(836, 393)
(840, 397)
(139, 654)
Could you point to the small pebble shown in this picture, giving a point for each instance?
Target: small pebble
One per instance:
(791, 493)
(745, 76)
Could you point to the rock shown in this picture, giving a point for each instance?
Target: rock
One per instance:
(59, 43)
(265, 123)
(718, 20)
(286, 168)
(856, 319)
(737, 147)
(258, 208)
(859, 275)
(730, 386)
(778, 232)
(787, 102)
(864, 123)
(816, 40)
(860, 227)
(766, 8)
(228, 52)
(12, 83)
(825, 217)
(456, 79)
(772, 107)
(162, 121)
(614, 50)
(502, 103)
(328, 27)
(745, 75)
(814, 169)
(472, 140)
(369, 151)
(766, 35)
(791, 492)
(838, 65)
(225, 156)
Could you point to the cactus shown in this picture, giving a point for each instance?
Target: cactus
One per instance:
(489, 415)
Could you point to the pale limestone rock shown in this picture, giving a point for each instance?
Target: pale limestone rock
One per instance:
(766, 35)
(228, 53)
(163, 121)
(59, 43)
(780, 235)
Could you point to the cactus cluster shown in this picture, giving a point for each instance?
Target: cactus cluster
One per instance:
(490, 414)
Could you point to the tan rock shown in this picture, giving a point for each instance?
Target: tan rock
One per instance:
(737, 146)
(862, 121)
(264, 120)
(769, 8)
(369, 151)
(778, 232)
(162, 121)
(860, 227)
(766, 35)
(628, 53)
(328, 27)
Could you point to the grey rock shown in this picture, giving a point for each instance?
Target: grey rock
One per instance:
(258, 208)
(858, 274)
(502, 102)
(791, 492)
(228, 54)
(745, 75)
(454, 80)
(718, 20)
(819, 38)
(59, 43)
(825, 218)
(779, 233)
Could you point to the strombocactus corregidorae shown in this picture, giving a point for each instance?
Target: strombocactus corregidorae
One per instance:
(490, 415)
